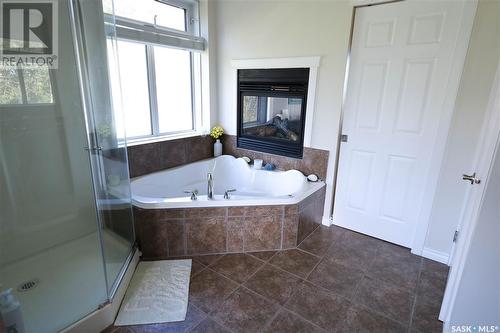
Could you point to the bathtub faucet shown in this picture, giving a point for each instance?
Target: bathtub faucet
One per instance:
(210, 190)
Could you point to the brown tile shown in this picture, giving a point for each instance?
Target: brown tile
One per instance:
(249, 153)
(425, 316)
(209, 259)
(431, 286)
(264, 210)
(283, 162)
(237, 267)
(206, 235)
(290, 229)
(399, 270)
(358, 257)
(176, 237)
(287, 322)
(205, 212)
(245, 311)
(318, 306)
(236, 211)
(307, 223)
(314, 161)
(385, 298)
(143, 159)
(319, 241)
(229, 145)
(196, 268)
(353, 240)
(263, 255)
(387, 249)
(273, 283)
(166, 214)
(235, 233)
(291, 209)
(338, 278)
(193, 317)
(198, 148)
(435, 268)
(154, 239)
(361, 320)
(262, 233)
(208, 290)
(295, 261)
(209, 326)
(306, 202)
(172, 153)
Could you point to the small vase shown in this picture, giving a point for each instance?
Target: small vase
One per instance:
(217, 148)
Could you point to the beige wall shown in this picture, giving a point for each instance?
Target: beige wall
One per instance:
(273, 29)
(477, 79)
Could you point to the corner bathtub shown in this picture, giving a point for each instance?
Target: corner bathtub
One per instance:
(165, 189)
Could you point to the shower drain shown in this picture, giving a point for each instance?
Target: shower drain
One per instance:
(28, 285)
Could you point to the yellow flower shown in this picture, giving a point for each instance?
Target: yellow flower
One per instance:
(216, 132)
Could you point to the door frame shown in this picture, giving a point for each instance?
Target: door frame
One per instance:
(483, 160)
(437, 155)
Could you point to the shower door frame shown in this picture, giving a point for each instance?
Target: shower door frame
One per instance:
(93, 148)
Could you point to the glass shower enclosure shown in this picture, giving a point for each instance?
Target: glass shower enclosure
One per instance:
(66, 224)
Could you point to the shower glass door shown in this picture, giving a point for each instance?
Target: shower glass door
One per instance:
(66, 228)
(108, 148)
(50, 249)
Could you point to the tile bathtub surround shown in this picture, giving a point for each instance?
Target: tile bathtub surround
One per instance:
(312, 288)
(314, 161)
(151, 157)
(176, 232)
(156, 156)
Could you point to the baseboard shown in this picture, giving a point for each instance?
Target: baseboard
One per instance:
(326, 220)
(102, 318)
(435, 255)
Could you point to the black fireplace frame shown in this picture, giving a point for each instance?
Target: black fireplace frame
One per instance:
(282, 82)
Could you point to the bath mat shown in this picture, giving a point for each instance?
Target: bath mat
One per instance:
(158, 293)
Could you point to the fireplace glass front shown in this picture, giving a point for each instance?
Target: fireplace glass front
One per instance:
(272, 111)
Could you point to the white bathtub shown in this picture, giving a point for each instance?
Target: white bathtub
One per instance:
(165, 189)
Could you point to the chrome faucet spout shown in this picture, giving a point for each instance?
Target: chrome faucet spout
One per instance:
(210, 189)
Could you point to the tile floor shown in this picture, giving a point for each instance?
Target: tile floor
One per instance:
(335, 281)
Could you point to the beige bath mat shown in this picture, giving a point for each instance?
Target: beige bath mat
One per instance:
(158, 293)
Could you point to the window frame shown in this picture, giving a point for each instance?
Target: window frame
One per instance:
(191, 9)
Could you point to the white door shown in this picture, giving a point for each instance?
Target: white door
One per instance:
(402, 73)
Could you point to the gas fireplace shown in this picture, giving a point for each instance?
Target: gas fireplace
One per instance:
(272, 109)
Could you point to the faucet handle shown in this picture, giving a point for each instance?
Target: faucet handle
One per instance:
(194, 194)
(226, 194)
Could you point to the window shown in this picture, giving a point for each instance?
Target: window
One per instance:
(25, 86)
(149, 11)
(158, 65)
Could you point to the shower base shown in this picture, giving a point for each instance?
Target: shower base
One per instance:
(70, 281)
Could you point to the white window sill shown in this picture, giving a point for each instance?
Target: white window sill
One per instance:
(160, 138)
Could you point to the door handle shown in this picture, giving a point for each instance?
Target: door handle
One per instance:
(471, 178)
(93, 149)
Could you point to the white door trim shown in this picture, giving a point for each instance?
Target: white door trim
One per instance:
(444, 126)
(483, 160)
